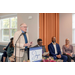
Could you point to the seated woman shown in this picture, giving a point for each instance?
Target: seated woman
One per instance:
(68, 50)
(4, 56)
(10, 50)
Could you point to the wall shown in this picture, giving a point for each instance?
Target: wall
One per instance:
(33, 24)
(65, 28)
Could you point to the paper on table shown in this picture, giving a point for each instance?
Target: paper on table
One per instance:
(45, 53)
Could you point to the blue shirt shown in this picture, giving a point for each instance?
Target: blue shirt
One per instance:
(25, 37)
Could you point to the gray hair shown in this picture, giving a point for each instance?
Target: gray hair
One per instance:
(22, 24)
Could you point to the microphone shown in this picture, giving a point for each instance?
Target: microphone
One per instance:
(22, 34)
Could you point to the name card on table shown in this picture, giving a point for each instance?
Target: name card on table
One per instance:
(35, 54)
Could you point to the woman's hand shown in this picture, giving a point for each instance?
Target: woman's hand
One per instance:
(4, 48)
(69, 54)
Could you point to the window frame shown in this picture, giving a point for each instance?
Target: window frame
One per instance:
(10, 28)
(73, 29)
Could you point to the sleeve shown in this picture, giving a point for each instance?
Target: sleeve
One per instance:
(8, 51)
(45, 49)
(63, 49)
(7, 46)
(50, 51)
(15, 39)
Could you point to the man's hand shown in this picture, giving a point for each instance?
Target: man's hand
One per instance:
(58, 56)
(28, 44)
(31, 43)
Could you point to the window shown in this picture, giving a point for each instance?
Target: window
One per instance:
(73, 28)
(8, 28)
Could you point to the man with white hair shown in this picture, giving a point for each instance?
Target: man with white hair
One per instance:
(23, 42)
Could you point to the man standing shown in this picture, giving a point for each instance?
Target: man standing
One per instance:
(23, 42)
(54, 50)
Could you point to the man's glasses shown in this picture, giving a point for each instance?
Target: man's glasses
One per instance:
(24, 26)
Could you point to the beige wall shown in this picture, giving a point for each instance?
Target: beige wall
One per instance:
(65, 28)
(33, 24)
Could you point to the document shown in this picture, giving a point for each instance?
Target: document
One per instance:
(45, 53)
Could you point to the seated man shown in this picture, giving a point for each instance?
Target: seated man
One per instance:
(54, 50)
(39, 43)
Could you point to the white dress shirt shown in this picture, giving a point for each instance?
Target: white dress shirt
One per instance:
(55, 47)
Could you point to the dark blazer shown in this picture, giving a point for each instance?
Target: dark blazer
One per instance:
(52, 50)
(43, 48)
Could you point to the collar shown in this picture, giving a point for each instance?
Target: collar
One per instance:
(22, 31)
(38, 45)
(53, 43)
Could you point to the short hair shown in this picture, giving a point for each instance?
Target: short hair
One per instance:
(39, 40)
(67, 39)
(53, 37)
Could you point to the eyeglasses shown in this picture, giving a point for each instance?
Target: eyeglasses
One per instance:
(24, 26)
